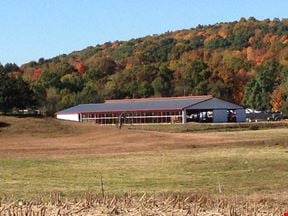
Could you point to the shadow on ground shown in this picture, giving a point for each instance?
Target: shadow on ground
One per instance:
(4, 124)
(25, 115)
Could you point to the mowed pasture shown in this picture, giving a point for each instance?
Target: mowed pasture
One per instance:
(42, 156)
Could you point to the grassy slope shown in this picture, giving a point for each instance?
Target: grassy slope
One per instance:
(238, 168)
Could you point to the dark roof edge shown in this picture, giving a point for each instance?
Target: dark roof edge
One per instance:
(214, 98)
(198, 102)
(59, 112)
(157, 98)
(167, 109)
(230, 102)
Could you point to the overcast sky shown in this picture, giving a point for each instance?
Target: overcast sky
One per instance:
(31, 29)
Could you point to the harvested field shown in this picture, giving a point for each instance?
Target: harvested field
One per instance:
(193, 204)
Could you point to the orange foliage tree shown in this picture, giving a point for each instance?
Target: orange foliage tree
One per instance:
(277, 98)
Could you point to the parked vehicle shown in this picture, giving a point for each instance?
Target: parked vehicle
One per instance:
(254, 116)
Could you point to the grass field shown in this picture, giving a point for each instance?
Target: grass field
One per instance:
(40, 156)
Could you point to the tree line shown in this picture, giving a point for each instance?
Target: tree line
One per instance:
(245, 62)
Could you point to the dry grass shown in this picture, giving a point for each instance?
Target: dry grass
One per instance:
(212, 127)
(50, 138)
(173, 204)
(228, 171)
(38, 127)
(39, 156)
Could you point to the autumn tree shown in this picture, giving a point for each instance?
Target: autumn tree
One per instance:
(277, 98)
(238, 61)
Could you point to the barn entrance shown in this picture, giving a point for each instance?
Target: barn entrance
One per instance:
(199, 116)
(232, 115)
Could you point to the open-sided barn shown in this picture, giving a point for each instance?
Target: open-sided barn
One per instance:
(157, 110)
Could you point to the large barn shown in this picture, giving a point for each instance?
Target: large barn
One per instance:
(156, 111)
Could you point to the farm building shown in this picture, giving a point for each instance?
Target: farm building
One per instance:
(156, 110)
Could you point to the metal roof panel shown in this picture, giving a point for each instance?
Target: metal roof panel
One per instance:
(129, 105)
(214, 103)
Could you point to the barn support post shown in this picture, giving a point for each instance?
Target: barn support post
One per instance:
(184, 116)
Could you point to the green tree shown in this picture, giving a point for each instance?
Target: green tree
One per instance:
(89, 94)
(50, 79)
(217, 42)
(52, 101)
(258, 90)
(241, 38)
(2, 69)
(68, 99)
(162, 84)
(72, 82)
(219, 89)
(39, 93)
(14, 93)
(107, 66)
(196, 76)
(195, 43)
(145, 89)
(165, 46)
(93, 74)
(7, 93)
(25, 97)
(112, 88)
(255, 95)
(11, 67)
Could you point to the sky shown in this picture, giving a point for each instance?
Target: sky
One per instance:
(33, 29)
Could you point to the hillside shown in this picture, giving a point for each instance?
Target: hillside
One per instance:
(245, 62)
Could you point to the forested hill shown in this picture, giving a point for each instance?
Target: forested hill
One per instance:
(245, 62)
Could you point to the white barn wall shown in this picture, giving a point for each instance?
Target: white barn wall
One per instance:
(69, 117)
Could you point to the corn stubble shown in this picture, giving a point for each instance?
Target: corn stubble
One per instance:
(128, 204)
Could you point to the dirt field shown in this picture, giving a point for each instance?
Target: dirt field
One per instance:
(50, 138)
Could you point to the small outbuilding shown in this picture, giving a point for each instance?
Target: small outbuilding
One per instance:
(156, 111)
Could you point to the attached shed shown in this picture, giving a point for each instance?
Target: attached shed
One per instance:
(215, 110)
(156, 110)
